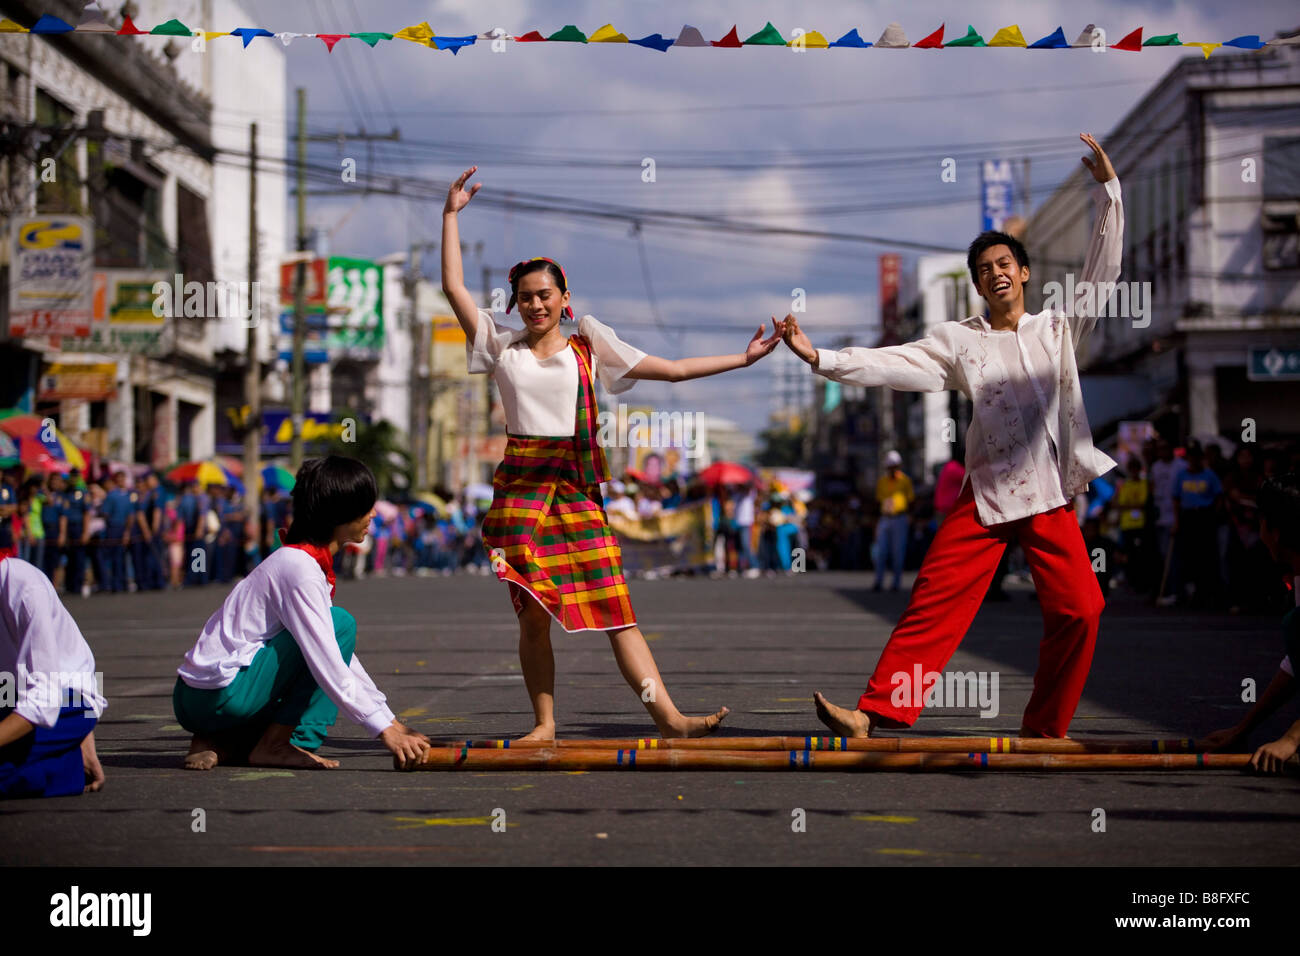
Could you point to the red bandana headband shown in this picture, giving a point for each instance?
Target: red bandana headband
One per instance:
(568, 309)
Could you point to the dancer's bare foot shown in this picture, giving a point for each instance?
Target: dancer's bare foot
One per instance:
(276, 749)
(204, 754)
(845, 722)
(695, 726)
(542, 732)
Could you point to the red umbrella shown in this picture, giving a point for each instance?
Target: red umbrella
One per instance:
(726, 473)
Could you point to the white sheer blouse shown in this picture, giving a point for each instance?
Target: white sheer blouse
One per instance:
(540, 396)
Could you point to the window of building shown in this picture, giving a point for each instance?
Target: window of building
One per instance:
(60, 190)
(1280, 209)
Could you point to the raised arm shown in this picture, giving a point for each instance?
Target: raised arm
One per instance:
(1106, 247)
(453, 269)
(654, 368)
(921, 366)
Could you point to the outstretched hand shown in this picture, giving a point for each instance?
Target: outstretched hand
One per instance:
(1099, 163)
(759, 346)
(799, 343)
(457, 196)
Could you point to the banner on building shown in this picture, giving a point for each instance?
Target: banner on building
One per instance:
(313, 284)
(997, 193)
(890, 263)
(344, 309)
(123, 310)
(51, 262)
(95, 382)
(447, 331)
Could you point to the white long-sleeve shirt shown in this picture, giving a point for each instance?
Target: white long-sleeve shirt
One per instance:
(540, 396)
(287, 590)
(1029, 447)
(42, 652)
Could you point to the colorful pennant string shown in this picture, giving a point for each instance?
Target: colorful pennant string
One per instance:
(893, 37)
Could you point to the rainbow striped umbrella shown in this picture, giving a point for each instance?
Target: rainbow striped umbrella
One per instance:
(40, 444)
(273, 476)
(205, 473)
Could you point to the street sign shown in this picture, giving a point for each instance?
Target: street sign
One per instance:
(1273, 364)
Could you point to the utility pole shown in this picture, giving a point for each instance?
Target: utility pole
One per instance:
(421, 345)
(253, 367)
(300, 292)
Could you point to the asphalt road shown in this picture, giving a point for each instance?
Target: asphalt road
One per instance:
(444, 651)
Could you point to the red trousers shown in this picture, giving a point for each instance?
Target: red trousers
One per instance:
(949, 589)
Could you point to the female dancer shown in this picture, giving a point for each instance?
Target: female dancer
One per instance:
(546, 530)
(275, 663)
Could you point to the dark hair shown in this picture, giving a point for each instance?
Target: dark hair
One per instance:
(527, 268)
(1279, 505)
(329, 492)
(989, 239)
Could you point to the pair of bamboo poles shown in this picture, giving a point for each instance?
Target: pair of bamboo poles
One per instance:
(828, 753)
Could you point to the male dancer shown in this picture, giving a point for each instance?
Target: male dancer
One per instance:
(1028, 452)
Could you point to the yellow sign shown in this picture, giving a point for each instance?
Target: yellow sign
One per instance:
(66, 380)
(447, 330)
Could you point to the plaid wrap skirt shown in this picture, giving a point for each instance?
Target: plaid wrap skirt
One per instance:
(547, 535)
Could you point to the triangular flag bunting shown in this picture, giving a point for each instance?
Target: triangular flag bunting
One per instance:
(654, 42)
(286, 37)
(730, 41)
(129, 29)
(92, 20)
(51, 24)
(690, 36)
(812, 40)
(1248, 42)
(970, 39)
(893, 38)
(1053, 41)
(532, 36)
(212, 35)
(768, 36)
(570, 34)
(172, 28)
(416, 34)
(329, 39)
(452, 43)
(933, 42)
(607, 34)
(1132, 42)
(1085, 37)
(1008, 36)
(8, 26)
(1167, 39)
(852, 39)
(370, 39)
(1206, 48)
(249, 34)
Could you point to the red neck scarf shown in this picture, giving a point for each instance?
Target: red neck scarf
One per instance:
(322, 556)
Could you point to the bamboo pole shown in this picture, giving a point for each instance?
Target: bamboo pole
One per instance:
(569, 759)
(1023, 745)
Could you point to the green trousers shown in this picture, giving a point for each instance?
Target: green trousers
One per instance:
(275, 688)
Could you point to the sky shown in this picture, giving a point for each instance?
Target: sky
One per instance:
(846, 142)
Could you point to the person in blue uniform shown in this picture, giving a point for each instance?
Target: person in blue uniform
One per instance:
(76, 538)
(54, 519)
(117, 509)
(232, 528)
(191, 516)
(146, 539)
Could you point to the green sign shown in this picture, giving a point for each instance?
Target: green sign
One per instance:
(1273, 365)
(355, 304)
